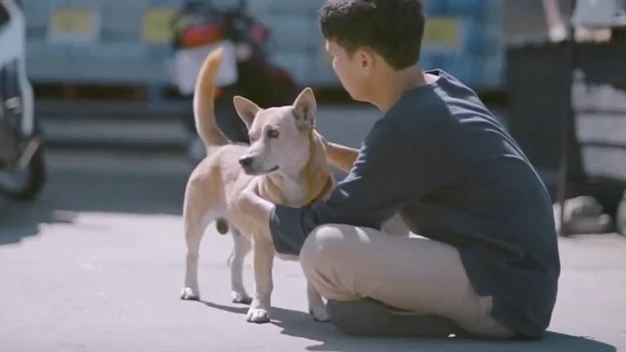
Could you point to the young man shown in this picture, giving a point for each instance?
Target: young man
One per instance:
(490, 264)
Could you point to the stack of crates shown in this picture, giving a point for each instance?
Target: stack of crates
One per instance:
(462, 38)
(119, 42)
(98, 41)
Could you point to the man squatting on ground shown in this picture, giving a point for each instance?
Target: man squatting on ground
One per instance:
(489, 265)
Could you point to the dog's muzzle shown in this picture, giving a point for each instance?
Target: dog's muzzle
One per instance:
(247, 164)
(246, 161)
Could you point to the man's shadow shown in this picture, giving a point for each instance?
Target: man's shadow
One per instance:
(301, 325)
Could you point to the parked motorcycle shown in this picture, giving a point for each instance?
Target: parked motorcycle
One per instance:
(22, 167)
(199, 27)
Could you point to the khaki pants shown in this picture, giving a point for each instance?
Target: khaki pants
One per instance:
(420, 275)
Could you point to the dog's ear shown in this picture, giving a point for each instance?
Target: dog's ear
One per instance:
(246, 109)
(304, 108)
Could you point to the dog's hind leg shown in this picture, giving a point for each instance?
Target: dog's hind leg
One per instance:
(241, 248)
(195, 226)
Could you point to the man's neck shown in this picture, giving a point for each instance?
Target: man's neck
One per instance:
(390, 89)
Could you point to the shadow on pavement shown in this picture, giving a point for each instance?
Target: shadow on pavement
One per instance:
(70, 193)
(20, 220)
(301, 325)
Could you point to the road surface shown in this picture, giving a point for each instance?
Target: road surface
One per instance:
(97, 264)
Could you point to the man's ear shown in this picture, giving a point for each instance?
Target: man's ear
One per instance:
(246, 109)
(304, 108)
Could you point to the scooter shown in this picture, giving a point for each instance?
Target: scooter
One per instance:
(198, 28)
(22, 166)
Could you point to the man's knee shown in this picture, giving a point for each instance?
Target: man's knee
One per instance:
(324, 245)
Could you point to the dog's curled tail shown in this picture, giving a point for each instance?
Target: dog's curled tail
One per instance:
(203, 101)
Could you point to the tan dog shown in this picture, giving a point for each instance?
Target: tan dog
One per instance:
(287, 161)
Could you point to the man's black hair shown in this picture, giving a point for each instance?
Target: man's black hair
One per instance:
(393, 28)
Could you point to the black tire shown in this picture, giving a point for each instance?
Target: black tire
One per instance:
(620, 217)
(33, 186)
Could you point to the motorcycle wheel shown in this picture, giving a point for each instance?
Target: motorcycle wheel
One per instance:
(25, 184)
(620, 219)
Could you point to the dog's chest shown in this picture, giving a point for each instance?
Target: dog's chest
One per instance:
(291, 195)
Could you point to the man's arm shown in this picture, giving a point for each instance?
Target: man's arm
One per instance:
(251, 203)
(393, 168)
(340, 156)
(260, 209)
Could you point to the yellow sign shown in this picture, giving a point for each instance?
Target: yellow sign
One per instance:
(442, 31)
(73, 24)
(157, 25)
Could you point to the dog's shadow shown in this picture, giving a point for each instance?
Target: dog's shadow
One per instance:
(326, 337)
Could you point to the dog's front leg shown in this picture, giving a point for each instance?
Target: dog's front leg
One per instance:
(263, 261)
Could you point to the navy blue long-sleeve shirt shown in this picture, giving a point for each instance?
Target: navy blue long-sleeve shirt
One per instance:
(443, 162)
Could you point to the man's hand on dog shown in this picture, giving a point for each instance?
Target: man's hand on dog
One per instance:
(254, 206)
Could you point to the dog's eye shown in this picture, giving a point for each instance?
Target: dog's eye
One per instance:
(272, 133)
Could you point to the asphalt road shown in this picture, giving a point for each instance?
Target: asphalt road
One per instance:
(97, 264)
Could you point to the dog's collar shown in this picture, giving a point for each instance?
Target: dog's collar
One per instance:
(325, 190)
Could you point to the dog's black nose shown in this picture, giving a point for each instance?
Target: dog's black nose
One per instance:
(246, 161)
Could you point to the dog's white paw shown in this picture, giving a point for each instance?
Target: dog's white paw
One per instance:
(190, 294)
(258, 315)
(241, 297)
(319, 313)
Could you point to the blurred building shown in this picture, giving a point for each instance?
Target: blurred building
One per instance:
(127, 42)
